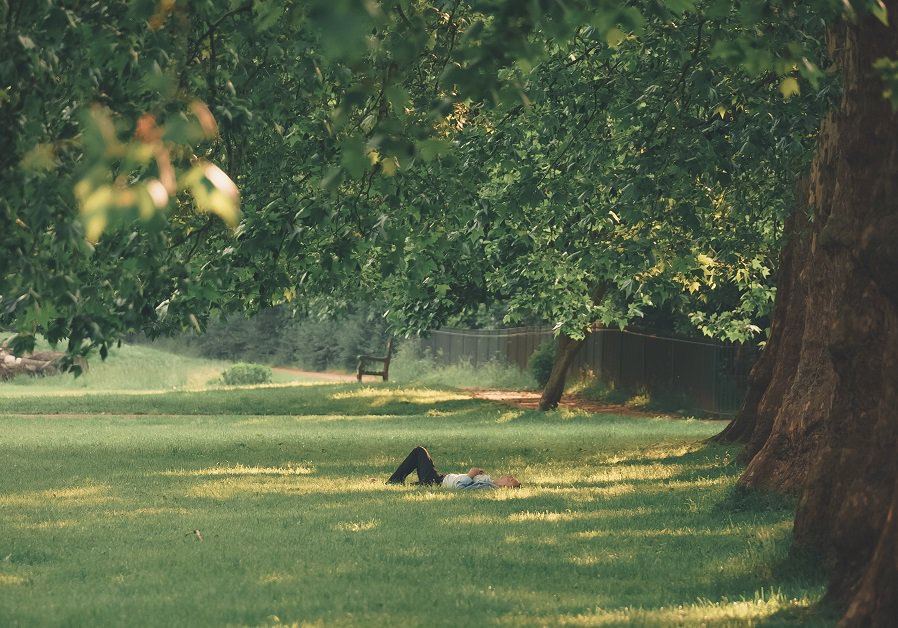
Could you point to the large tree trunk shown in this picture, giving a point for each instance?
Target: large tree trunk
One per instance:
(833, 398)
(775, 370)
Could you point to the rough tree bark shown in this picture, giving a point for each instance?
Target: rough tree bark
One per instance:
(832, 396)
(776, 368)
(565, 352)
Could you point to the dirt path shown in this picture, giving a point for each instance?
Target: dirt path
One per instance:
(527, 400)
(530, 401)
(331, 377)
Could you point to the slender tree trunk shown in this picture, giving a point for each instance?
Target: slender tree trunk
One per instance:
(834, 412)
(566, 351)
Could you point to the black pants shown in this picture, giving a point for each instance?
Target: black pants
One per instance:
(418, 460)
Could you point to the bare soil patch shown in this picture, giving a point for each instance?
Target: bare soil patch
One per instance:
(529, 400)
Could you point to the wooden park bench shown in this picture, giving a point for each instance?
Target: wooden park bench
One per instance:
(364, 369)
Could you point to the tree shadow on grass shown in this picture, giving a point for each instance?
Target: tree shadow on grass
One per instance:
(639, 534)
(342, 400)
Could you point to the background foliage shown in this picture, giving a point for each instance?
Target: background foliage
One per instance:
(435, 156)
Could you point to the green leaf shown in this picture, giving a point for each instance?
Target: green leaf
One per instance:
(879, 11)
(789, 87)
(615, 37)
(397, 96)
(680, 6)
(214, 192)
(432, 148)
(353, 158)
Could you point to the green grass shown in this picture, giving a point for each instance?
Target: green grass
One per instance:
(621, 521)
(133, 368)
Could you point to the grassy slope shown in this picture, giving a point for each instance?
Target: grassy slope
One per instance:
(131, 368)
(621, 520)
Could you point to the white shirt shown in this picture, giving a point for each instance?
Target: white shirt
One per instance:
(463, 480)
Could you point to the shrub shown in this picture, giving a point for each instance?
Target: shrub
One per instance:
(540, 363)
(241, 374)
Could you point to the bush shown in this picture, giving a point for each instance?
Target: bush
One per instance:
(242, 374)
(540, 363)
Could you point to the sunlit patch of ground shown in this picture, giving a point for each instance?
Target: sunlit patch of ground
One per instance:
(93, 495)
(233, 486)
(273, 578)
(268, 518)
(611, 473)
(648, 534)
(509, 416)
(53, 524)
(429, 496)
(598, 558)
(701, 613)
(138, 513)
(238, 470)
(379, 396)
(549, 516)
(9, 580)
(518, 539)
(356, 526)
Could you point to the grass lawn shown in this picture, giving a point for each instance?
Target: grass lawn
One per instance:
(137, 368)
(622, 521)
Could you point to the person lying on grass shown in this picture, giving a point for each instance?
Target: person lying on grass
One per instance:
(419, 460)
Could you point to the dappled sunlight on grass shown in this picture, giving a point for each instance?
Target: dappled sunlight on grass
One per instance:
(526, 539)
(57, 524)
(549, 516)
(232, 486)
(381, 396)
(93, 495)
(237, 470)
(614, 490)
(701, 613)
(667, 452)
(38, 391)
(356, 526)
(604, 558)
(243, 485)
(509, 416)
(649, 534)
(270, 507)
(274, 578)
(429, 496)
(760, 552)
(139, 513)
(316, 418)
(323, 418)
(473, 519)
(696, 483)
(611, 473)
(9, 580)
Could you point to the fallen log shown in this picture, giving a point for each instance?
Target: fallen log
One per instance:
(38, 364)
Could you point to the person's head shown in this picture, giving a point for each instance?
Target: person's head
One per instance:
(508, 481)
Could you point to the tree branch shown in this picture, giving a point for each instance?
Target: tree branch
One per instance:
(194, 47)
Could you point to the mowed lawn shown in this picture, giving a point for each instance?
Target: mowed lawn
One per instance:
(267, 507)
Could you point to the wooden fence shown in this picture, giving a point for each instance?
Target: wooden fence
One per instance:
(705, 376)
